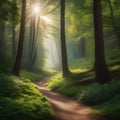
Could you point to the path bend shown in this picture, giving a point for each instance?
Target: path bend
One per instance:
(65, 108)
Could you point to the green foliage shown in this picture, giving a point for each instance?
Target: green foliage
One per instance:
(24, 109)
(20, 99)
(110, 108)
(79, 18)
(82, 63)
(8, 10)
(36, 75)
(60, 84)
(97, 93)
(56, 81)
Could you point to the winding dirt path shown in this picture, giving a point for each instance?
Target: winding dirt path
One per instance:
(65, 108)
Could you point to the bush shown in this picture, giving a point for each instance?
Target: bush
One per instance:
(97, 93)
(110, 108)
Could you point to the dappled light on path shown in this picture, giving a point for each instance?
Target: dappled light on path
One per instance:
(64, 108)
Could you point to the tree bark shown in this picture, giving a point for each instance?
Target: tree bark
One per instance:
(17, 65)
(63, 41)
(101, 70)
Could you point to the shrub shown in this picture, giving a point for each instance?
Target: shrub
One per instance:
(97, 93)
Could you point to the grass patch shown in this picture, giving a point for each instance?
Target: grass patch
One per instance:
(64, 86)
(21, 100)
(33, 76)
(83, 63)
(36, 75)
(56, 81)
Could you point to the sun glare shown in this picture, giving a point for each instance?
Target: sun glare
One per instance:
(36, 9)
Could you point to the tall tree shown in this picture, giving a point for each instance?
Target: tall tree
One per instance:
(101, 70)
(17, 65)
(63, 41)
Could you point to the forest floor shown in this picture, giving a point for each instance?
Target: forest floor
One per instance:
(65, 108)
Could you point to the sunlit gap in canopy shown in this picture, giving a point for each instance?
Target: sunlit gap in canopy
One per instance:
(36, 9)
(48, 22)
(51, 40)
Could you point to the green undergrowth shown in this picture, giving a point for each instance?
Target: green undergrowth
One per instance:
(21, 100)
(64, 86)
(83, 63)
(110, 108)
(36, 76)
(33, 76)
(104, 98)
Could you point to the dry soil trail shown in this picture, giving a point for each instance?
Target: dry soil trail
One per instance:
(65, 108)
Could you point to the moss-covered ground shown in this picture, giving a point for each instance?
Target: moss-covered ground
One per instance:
(20, 99)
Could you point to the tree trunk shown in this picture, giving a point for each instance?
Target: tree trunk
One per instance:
(63, 41)
(101, 70)
(17, 65)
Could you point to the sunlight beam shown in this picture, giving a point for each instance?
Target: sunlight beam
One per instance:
(47, 19)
